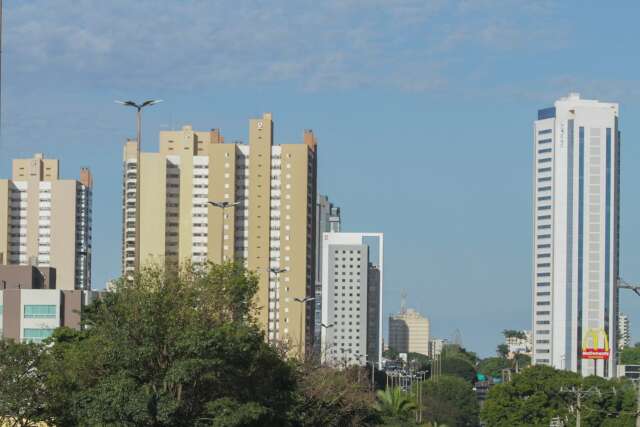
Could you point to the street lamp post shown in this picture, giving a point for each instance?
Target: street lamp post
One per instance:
(373, 367)
(324, 343)
(223, 207)
(303, 302)
(139, 108)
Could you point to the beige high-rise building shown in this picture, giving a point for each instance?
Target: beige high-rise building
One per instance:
(269, 226)
(46, 221)
(409, 332)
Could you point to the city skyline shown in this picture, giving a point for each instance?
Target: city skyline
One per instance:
(455, 154)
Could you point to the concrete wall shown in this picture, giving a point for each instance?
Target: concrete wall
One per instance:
(63, 232)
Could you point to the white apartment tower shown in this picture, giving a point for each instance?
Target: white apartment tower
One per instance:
(351, 299)
(576, 233)
(624, 334)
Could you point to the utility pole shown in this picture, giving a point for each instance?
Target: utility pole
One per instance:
(581, 393)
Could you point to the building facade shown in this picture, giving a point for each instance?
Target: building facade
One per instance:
(521, 344)
(435, 346)
(409, 332)
(328, 219)
(352, 302)
(31, 307)
(624, 334)
(270, 223)
(576, 233)
(46, 221)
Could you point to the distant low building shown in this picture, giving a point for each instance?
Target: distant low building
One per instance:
(520, 343)
(409, 332)
(631, 372)
(31, 306)
(624, 334)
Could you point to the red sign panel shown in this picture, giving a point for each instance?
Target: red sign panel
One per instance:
(595, 353)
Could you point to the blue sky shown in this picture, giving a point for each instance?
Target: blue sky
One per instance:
(423, 111)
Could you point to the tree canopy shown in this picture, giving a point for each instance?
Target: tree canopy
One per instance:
(538, 394)
(630, 356)
(451, 401)
(458, 366)
(178, 348)
(174, 348)
(512, 333)
(23, 397)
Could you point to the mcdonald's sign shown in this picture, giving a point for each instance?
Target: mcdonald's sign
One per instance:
(595, 344)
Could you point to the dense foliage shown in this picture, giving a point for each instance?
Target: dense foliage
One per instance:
(630, 355)
(23, 398)
(450, 400)
(177, 348)
(511, 333)
(540, 393)
(173, 348)
(329, 397)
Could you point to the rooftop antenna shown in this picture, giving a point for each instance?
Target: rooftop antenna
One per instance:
(403, 302)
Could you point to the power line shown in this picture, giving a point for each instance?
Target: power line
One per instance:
(580, 393)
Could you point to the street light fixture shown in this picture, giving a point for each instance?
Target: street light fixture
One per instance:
(138, 108)
(302, 302)
(325, 341)
(224, 205)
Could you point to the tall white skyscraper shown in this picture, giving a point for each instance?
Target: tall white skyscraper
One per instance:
(351, 299)
(576, 232)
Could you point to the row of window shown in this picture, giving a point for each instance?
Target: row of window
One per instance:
(36, 335)
(40, 311)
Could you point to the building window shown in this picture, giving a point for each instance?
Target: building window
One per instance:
(36, 335)
(39, 311)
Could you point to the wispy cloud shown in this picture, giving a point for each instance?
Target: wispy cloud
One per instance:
(405, 44)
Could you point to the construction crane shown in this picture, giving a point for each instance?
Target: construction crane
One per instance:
(622, 284)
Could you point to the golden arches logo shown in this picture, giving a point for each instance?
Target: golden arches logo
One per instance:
(595, 344)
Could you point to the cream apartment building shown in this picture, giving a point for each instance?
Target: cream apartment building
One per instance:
(409, 332)
(46, 221)
(270, 224)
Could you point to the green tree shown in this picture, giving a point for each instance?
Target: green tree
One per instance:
(459, 367)
(522, 361)
(330, 397)
(451, 401)
(454, 350)
(535, 396)
(391, 354)
(630, 356)
(493, 366)
(23, 400)
(511, 333)
(395, 403)
(174, 348)
(418, 361)
(502, 350)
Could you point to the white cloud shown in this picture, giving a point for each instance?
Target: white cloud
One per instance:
(334, 43)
